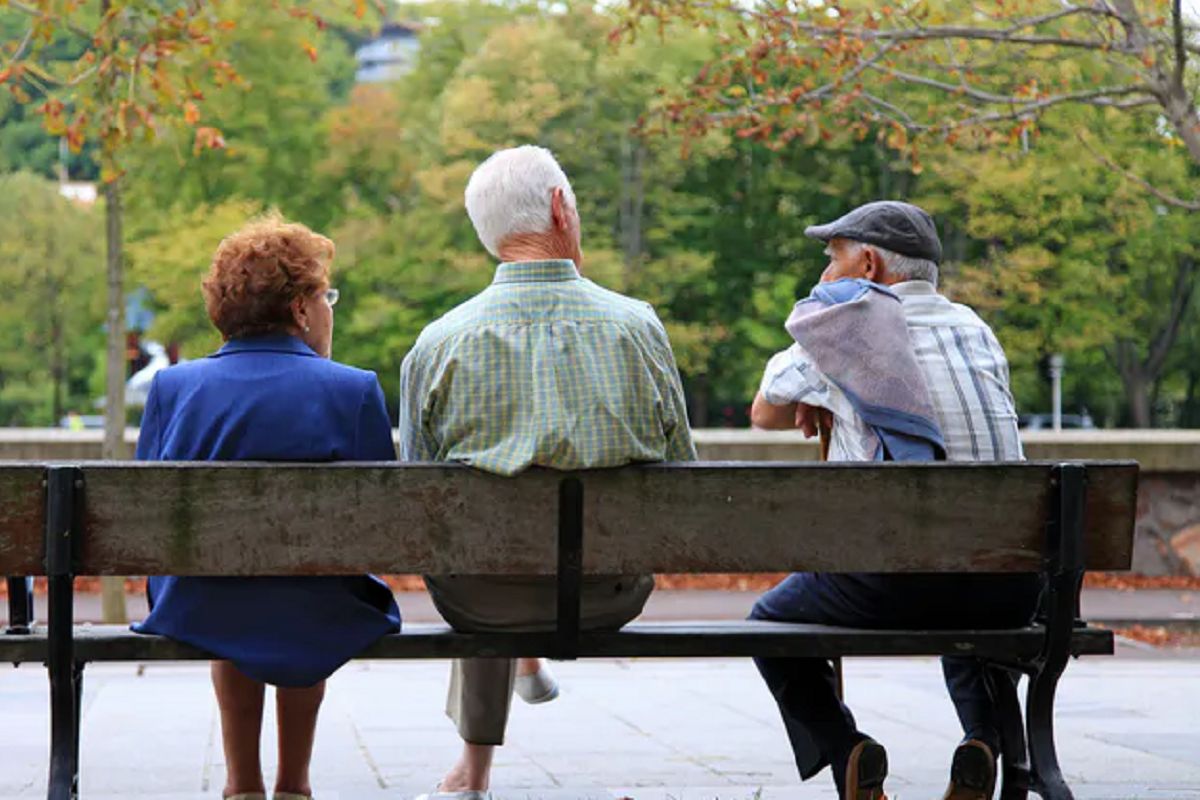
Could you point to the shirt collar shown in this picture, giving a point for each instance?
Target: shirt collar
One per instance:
(913, 288)
(551, 270)
(270, 343)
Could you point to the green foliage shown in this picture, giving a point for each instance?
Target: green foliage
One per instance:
(1058, 251)
(1068, 256)
(271, 121)
(52, 270)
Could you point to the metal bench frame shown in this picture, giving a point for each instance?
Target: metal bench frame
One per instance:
(1041, 652)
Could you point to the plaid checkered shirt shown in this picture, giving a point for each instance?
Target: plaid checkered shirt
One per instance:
(965, 370)
(543, 368)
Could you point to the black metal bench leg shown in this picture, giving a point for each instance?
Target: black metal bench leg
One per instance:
(1065, 565)
(64, 696)
(1015, 777)
(79, 665)
(64, 671)
(20, 605)
(1048, 779)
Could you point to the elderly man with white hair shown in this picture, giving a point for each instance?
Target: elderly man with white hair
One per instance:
(542, 368)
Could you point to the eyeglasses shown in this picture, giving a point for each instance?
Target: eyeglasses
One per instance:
(331, 297)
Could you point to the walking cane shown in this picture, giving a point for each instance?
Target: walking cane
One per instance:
(823, 433)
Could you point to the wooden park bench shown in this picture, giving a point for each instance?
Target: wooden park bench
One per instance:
(63, 520)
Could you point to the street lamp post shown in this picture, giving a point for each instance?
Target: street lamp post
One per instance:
(1056, 372)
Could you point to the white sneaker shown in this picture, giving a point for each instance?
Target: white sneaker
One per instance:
(540, 687)
(471, 794)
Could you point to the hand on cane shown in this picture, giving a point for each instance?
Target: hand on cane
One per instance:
(813, 420)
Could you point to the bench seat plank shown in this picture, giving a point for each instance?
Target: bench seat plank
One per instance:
(22, 519)
(733, 638)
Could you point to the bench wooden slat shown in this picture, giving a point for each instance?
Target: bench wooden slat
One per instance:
(22, 519)
(844, 517)
(272, 519)
(639, 639)
(236, 519)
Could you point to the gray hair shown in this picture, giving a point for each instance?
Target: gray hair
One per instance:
(510, 194)
(905, 268)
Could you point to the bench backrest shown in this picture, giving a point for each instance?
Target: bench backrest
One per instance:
(296, 519)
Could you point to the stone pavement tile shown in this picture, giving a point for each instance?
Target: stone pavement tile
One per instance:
(646, 729)
(25, 730)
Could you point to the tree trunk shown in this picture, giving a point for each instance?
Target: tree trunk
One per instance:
(1137, 395)
(58, 370)
(632, 201)
(1189, 417)
(698, 410)
(113, 589)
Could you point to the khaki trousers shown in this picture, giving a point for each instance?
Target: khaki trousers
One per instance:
(481, 688)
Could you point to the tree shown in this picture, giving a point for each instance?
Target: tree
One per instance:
(271, 119)
(50, 256)
(936, 67)
(930, 73)
(139, 63)
(1069, 257)
(714, 240)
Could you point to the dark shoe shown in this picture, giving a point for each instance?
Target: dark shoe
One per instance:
(865, 771)
(972, 773)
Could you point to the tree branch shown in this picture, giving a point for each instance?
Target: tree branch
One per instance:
(1169, 199)
(998, 99)
(1181, 298)
(1180, 53)
(956, 33)
(31, 11)
(899, 114)
(1020, 107)
(19, 53)
(813, 94)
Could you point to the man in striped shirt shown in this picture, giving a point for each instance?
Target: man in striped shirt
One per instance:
(966, 373)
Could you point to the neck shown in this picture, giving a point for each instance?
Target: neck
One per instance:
(550, 246)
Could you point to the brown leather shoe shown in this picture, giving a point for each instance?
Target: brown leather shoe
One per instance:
(972, 772)
(866, 770)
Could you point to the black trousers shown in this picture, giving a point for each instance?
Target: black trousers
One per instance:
(820, 727)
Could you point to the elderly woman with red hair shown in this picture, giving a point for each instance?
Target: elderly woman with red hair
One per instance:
(271, 393)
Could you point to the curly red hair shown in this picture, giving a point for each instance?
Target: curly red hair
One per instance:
(258, 271)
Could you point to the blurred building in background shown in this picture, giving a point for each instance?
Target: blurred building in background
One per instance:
(390, 55)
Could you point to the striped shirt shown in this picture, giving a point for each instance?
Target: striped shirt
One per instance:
(543, 368)
(964, 367)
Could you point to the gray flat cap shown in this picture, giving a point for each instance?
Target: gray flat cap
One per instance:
(900, 227)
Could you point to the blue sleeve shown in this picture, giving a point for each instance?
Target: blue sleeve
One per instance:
(373, 439)
(148, 447)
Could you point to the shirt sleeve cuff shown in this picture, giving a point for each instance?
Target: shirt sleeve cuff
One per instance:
(775, 386)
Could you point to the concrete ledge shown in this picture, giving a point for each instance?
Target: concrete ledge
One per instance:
(1156, 450)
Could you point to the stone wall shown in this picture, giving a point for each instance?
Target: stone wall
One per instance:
(1168, 529)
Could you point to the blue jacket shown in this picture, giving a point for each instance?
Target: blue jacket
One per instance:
(269, 399)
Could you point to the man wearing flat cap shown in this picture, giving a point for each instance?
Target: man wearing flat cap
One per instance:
(904, 374)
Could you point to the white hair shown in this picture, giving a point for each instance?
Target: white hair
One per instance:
(510, 194)
(905, 267)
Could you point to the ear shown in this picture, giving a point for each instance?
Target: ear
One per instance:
(875, 270)
(299, 313)
(559, 212)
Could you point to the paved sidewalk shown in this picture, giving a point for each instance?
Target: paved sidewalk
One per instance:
(659, 729)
